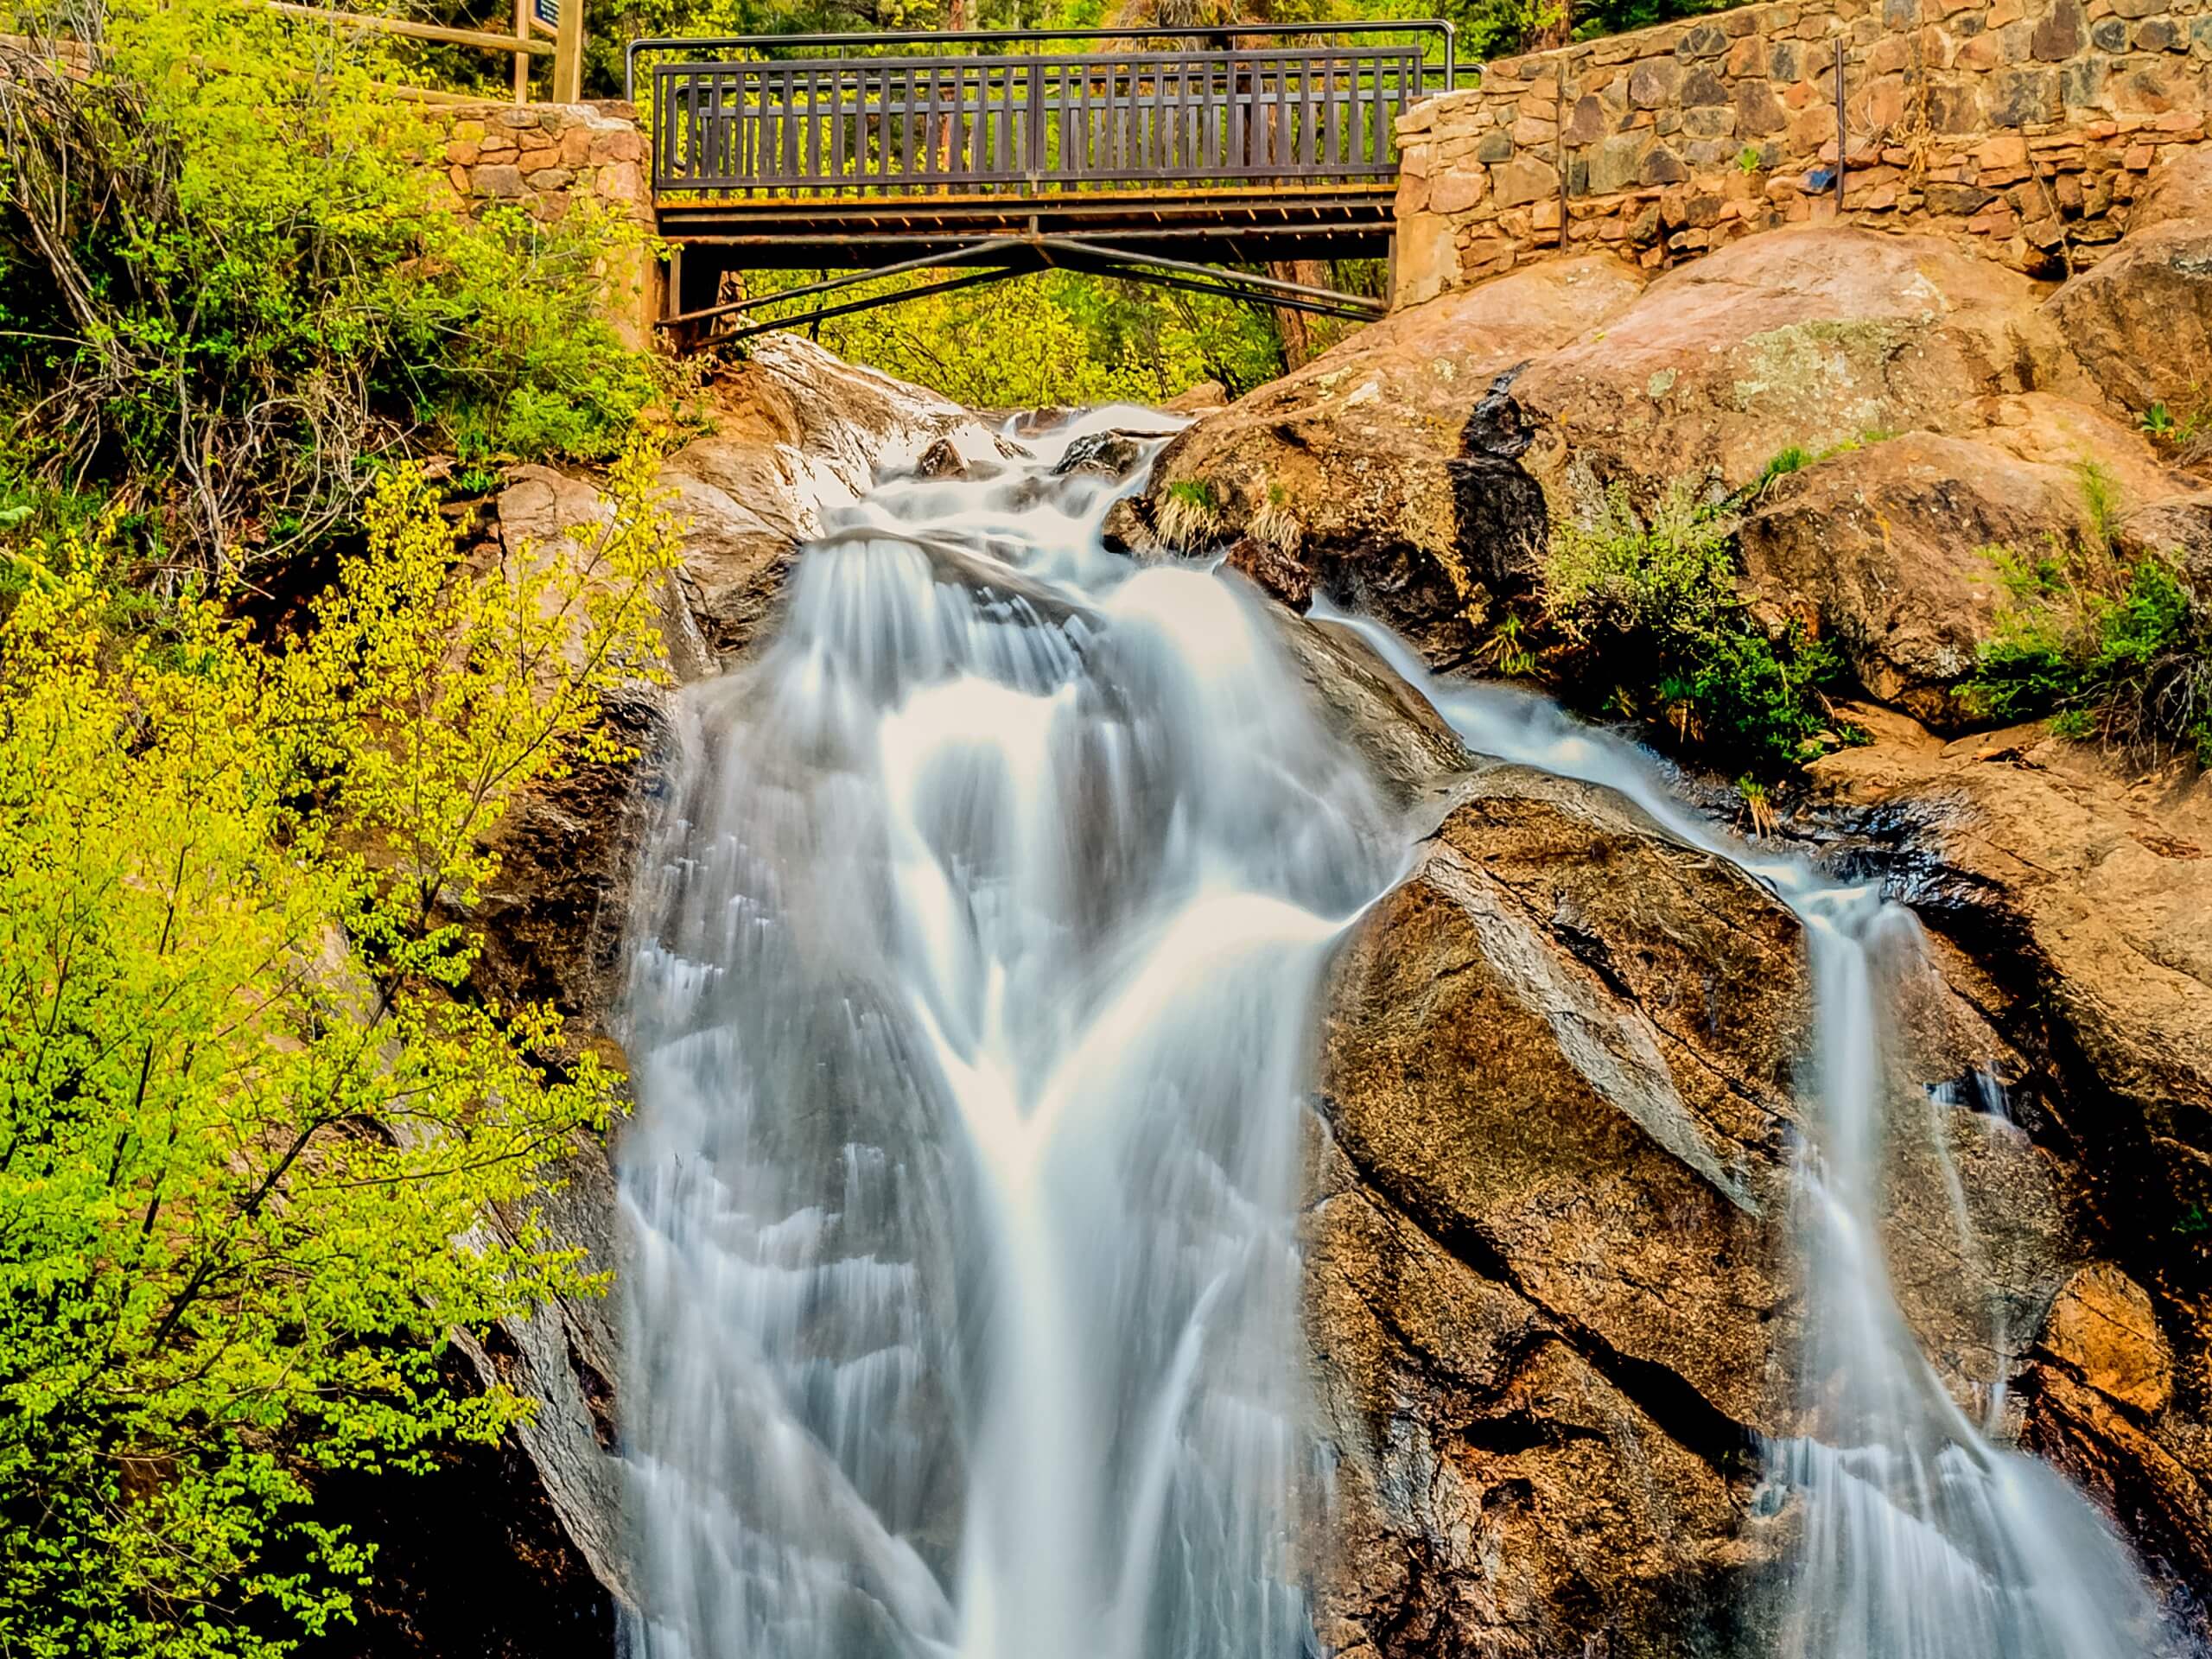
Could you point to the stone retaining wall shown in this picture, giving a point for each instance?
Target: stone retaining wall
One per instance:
(2025, 126)
(546, 158)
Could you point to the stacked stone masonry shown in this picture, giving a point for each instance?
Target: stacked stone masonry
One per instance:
(546, 159)
(2025, 126)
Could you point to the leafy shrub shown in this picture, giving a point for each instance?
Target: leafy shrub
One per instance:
(1649, 602)
(226, 286)
(1188, 515)
(2116, 650)
(246, 1130)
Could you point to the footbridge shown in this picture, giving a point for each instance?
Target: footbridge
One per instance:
(1190, 158)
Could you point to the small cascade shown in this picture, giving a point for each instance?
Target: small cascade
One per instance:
(970, 1013)
(971, 1008)
(1919, 1538)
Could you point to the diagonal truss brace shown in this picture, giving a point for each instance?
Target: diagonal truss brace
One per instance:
(999, 258)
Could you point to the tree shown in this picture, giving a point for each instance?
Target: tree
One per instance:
(228, 288)
(249, 1117)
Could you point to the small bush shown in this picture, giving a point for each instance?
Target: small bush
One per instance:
(1795, 459)
(1651, 601)
(2119, 653)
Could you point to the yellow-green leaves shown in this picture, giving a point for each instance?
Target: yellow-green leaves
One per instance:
(246, 1131)
(233, 287)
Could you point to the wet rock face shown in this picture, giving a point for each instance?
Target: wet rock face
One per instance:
(2072, 893)
(796, 430)
(537, 1568)
(1368, 470)
(1551, 1291)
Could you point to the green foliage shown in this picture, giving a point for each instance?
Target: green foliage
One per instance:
(1651, 602)
(2185, 430)
(1796, 458)
(1056, 337)
(2113, 650)
(1190, 517)
(1507, 649)
(1759, 805)
(226, 286)
(1783, 462)
(247, 1129)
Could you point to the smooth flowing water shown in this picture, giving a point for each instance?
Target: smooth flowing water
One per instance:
(970, 1012)
(1919, 1538)
(971, 1015)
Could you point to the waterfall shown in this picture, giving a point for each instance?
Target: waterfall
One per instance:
(970, 1015)
(1918, 1538)
(975, 957)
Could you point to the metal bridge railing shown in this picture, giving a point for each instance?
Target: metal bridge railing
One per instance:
(884, 126)
(888, 116)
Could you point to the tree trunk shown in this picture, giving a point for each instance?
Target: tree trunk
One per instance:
(1295, 327)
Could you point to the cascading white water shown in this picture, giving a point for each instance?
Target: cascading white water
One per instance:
(1920, 1539)
(969, 1014)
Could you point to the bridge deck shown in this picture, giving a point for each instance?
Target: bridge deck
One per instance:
(1172, 147)
(1243, 223)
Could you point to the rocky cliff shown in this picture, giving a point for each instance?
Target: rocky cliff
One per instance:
(1558, 1093)
(1560, 1082)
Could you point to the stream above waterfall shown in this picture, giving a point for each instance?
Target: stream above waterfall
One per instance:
(978, 953)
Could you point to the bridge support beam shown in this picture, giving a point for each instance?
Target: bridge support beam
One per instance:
(694, 326)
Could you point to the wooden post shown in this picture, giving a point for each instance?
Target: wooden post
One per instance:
(569, 54)
(522, 51)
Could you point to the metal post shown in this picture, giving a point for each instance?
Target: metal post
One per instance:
(1559, 151)
(1842, 129)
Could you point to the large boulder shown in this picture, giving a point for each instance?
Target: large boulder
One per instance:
(1354, 471)
(1806, 338)
(1552, 1307)
(2140, 320)
(1418, 470)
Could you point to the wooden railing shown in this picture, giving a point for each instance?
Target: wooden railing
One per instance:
(881, 125)
(561, 28)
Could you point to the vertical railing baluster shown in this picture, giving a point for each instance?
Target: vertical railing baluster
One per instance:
(716, 112)
(1155, 120)
(1040, 122)
(934, 151)
(1120, 86)
(1308, 110)
(906, 124)
(1333, 133)
(809, 127)
(1371, 136)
